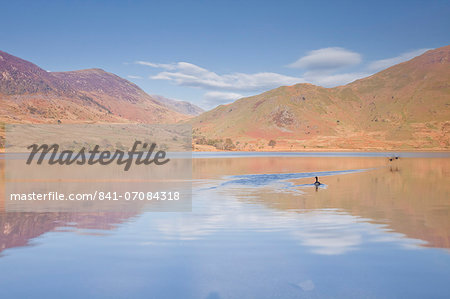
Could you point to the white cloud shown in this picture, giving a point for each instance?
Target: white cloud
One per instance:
(327, 59)
(134, 77)
(188, 74)
(330, 80)
(307, 285)
(322, 66)
(327, 67)
(223, 95)
(321, 232)
(379, 65)
(157, 65)
(214, 98)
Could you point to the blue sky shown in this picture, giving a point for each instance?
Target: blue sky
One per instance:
(212, 52)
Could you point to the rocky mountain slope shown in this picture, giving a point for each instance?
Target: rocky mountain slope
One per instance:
(179, 106)
(31, 94)
(406, 106)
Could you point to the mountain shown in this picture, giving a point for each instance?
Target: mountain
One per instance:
(406, 106)
(182, 107)
(31, 94)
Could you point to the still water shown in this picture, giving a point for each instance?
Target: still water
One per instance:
(258, 228)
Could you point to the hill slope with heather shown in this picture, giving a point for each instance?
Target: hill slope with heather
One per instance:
(29, 94)
(406, 106)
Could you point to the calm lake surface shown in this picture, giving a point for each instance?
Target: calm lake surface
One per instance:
(258, 229)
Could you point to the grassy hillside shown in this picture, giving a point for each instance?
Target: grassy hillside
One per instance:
(404, 107)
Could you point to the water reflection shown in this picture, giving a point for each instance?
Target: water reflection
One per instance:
(322, 231)
(254, 220)
(275, 179)
(410, 196)
(16, 229)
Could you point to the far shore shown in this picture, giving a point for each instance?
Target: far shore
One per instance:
(206, 148)
(318, 150)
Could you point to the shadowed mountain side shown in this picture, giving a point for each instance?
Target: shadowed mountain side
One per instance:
(406, 106)
(30, 94)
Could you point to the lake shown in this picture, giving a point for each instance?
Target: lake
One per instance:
(259, 228)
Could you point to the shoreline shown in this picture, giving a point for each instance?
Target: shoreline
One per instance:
(329, 150)
(310, 154)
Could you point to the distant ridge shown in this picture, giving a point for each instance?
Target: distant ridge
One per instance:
(179, 106)
(31, 94)
(405, 107)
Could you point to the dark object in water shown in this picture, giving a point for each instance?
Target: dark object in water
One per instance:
(317, 183)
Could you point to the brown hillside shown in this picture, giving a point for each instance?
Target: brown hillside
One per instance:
(405, 107)
(30, 94)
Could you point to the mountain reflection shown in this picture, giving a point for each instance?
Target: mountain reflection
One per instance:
(410, 195)
(405, 203)
(321, 231)
(16, 229)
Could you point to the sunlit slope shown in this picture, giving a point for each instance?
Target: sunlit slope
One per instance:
(404, 107)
